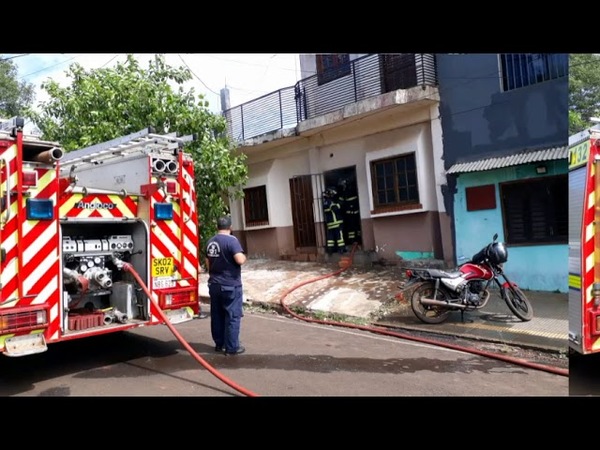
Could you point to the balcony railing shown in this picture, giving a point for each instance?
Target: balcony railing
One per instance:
(329, 91)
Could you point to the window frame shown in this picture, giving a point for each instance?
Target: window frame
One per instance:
(399, 205)
(519, 70)
(523, 189)
(256, 216)
(330, 67)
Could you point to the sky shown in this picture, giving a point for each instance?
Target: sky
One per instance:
(247, 76)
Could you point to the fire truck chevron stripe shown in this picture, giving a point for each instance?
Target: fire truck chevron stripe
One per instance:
(589, 263)
(35, 268)
(589, 232)
(164, 246)
(47, 285)
(39, 238)
(99, 205)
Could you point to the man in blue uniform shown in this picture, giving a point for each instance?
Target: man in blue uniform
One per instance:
(225, 258)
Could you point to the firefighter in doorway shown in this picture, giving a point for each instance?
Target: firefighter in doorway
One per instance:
(348, 199)
(333, 221)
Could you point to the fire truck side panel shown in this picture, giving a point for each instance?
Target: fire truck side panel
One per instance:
(174, 246)
(584, 311)
(29, 242)
(577, 180)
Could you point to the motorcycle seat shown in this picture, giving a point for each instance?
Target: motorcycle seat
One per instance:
(435, 273)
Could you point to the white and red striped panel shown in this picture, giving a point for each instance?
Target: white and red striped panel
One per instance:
(588, 254)
(30, 272)
(177, 238)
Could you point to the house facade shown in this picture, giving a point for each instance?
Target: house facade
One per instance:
(505, 145)
(370, 123)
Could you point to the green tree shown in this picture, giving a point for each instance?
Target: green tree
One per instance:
(15, 96)
(106, 103)
(584, 90)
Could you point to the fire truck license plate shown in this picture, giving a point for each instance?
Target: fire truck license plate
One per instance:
(162, 267)
(163, 283)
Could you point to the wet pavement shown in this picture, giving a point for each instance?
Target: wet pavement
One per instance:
(369, 295)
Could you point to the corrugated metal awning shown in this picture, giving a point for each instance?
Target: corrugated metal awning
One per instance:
(524, 157)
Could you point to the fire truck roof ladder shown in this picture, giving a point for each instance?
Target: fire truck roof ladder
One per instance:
(8, 124)
(145, 139)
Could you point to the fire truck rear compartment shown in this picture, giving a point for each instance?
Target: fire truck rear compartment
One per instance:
(96, 293)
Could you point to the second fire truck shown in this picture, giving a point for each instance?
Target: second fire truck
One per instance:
(584, 242)
(92, 240)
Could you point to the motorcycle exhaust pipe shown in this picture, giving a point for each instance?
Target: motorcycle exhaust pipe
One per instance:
(432, 302)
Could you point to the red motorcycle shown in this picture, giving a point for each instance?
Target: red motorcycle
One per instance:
(437, 293)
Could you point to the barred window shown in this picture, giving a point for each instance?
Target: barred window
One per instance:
(255, 206)
(524, 69)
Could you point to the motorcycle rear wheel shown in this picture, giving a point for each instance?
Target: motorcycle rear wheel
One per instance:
(429, 313)
(518, 303)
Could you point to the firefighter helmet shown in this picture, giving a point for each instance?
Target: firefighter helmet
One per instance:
(330, 193)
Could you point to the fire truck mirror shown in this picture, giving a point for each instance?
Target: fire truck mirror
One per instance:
(2, 254)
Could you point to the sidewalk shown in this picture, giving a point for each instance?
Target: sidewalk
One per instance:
(548, 330)
(369, 294)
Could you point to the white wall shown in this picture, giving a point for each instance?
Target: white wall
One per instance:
(438, 155)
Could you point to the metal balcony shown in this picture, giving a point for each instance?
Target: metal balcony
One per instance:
(329, 91)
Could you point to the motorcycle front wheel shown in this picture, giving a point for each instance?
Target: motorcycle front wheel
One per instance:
(518, 303)
(429, 313)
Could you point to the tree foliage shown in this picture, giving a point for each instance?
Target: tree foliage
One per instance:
(584, 90)
(106, 103)
(15, 96)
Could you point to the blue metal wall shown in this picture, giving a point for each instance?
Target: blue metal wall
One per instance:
(535, 267)
(478, 119)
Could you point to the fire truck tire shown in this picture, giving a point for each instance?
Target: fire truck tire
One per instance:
(427, 313)
(518, 303)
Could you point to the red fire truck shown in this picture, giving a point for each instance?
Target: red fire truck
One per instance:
(93, 241)
(584, 242)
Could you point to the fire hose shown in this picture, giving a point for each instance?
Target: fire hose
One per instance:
(347, 264)
(343, 267)
(129, 268)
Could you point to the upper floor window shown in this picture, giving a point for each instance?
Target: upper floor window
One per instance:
(331, 67)
(524, 69)
(395, 184)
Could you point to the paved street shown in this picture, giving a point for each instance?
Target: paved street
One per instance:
(285, 357)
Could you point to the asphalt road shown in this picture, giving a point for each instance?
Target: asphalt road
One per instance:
(285, 357)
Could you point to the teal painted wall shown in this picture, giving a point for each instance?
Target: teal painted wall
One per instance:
(535, 267)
